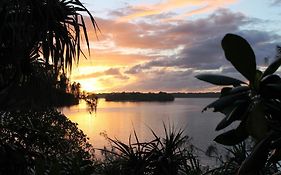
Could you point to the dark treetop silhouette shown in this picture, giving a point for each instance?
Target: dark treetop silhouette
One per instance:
(257, 104)
(39, 41)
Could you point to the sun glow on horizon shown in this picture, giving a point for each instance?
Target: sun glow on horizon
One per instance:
(90, 85)
(152, 46)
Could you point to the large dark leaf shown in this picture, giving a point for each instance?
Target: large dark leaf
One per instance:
(225, 91)
(271, 91)
(272, 67)
(270, 86)
(256, 160)
(235, 90)
(273, 110)
(227, 110)
(275, 87)
(237, 113)
(239, 89)
(272, 105)
(276, 143)
(219, 79)
(226, 101)
(233, 136)
(272, 78)
(239, 52)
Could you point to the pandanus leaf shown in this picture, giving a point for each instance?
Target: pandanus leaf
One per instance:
(219, 80)
(256, 160)
(239, 52)
(272, 67)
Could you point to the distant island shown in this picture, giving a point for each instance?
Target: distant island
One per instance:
(161, 96)
(196, 95)
(137, 96)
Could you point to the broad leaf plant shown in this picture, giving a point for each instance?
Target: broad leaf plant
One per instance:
(255, 103)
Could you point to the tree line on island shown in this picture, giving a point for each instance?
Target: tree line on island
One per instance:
(150, 96)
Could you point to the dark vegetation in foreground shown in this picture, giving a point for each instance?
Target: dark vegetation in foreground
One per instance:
(42, 142)
(172, 154)
(34, 142)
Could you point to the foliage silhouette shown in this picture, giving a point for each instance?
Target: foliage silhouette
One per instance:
(39, 42)
(36, 38)
(257, 104)
(171, 154)
(51, 28)
(33, 142)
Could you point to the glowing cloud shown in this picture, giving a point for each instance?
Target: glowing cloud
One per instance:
(170, 5)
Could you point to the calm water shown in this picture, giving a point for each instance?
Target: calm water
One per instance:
(119, 119)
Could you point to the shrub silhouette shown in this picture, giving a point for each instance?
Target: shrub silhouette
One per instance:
(168, 155)
(43, 142)
(256, 104)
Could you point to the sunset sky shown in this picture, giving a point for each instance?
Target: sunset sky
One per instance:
(160, 45)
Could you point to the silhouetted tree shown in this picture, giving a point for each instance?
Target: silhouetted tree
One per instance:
(63, 83)
(38, 37)
(39, 41)
(76, 89)
(257, 105)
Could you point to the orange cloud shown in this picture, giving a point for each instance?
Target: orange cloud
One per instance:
(140, 49)
(131, 35)
(170, 5)
(112, 59)
(208, 7)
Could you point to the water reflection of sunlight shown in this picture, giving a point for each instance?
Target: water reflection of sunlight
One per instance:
(113, 122)
(119, 119)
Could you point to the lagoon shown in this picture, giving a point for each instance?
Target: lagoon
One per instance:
(120, 119)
